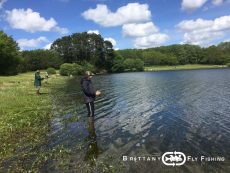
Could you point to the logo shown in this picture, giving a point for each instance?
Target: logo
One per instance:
(173, 158)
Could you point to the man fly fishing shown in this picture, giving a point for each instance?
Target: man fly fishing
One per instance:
(37, 82)
(89, 93)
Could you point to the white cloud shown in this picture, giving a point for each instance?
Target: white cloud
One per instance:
(191, 25)
(93, 32)
(146, 34)
(151, 40)
(217, 2)
(31, 43)
(131, 13)
(131, 17)
(203, 38)
(31, 21)
(202, 31)
(139, 30)
(47, 46)
(218, 24)
(190, 5)
(2, 2)
(114, 43)
(61, 30)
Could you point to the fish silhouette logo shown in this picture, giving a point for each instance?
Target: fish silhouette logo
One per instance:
(173, 158)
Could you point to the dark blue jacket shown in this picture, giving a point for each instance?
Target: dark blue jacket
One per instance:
(88, 90)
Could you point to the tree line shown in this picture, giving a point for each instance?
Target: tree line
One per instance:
(175, 55)
(85, 50)
(80, 51)
(83, 47)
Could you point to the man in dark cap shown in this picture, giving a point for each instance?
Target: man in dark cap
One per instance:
(89, 93)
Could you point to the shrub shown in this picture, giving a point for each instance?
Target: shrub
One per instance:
(77, 69)
(51, 70)
(68, 69)
(228, 64)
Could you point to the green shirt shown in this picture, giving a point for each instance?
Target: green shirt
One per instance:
(37, 79)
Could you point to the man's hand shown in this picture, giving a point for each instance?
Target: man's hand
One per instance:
(98, 93)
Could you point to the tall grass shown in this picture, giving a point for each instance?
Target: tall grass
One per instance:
(24, 116)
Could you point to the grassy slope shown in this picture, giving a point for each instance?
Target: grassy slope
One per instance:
(182, 67)
(24, 117)
(24, 124)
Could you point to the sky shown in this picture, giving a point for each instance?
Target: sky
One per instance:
(126, 23)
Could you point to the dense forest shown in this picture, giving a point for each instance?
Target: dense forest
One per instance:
(80, 51)
(81, 47)
(173, 55)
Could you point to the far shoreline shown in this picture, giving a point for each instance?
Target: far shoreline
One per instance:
(183, 67)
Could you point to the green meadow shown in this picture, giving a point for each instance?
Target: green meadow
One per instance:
(24, 117)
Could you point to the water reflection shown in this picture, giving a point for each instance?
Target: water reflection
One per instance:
(92, 150)
(151, 113)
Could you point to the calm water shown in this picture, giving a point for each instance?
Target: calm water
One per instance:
(149, 113)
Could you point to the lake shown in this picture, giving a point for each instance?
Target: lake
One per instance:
(146, 114)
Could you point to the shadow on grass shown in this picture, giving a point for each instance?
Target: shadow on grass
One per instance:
(44, 93)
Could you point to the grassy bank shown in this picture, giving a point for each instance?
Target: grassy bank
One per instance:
(24, 117)
(25, 122)
(182, 67)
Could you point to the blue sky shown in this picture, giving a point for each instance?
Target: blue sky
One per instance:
(126, 23)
